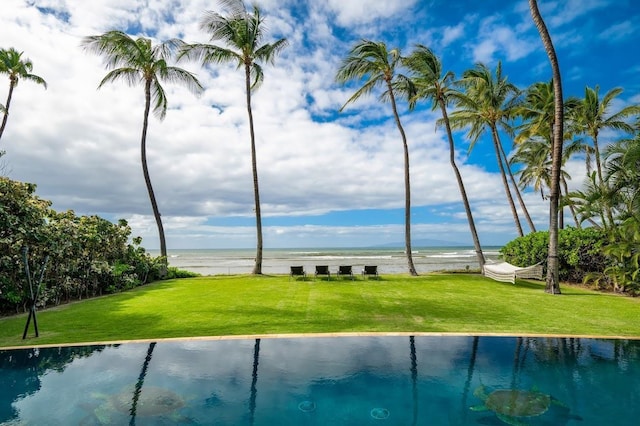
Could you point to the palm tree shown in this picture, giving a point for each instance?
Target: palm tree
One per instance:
(430, 84)
(139, 61)
(553, 283)
(490, 103)
(535, 156)
(622, 175)
(243, 33)
(12, 63)
(373, 63)
(534, 141)
(593, 117)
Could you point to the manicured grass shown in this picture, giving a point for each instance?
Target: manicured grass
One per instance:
(247, 305)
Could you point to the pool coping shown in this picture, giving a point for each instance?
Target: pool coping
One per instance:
(319, 335)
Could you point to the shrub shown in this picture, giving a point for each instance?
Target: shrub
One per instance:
(579, 251)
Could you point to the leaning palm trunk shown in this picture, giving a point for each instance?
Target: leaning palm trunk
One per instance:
(571, 206)
(407, 185)
(553, 283)
(6, 107)
(463, 192)
(145, 171)
(257, 268)
(523, 206)
(496, 144)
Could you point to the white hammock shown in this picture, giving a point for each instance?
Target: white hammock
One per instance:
(508, 273)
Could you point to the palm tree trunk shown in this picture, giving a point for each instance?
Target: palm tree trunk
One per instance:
(606, 207)
(496, 144)
(12, 84)
(145, 171)
(138, 387)
(414, 378)
(596, 150)
(553, 283)
(254, 381)
(516, 188)
(463, 192)
(407, 185)
(257, 268)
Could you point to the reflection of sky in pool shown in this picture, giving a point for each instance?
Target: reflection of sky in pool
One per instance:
(322, 381)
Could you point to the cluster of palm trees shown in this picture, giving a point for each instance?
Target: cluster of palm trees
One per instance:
(139, 61)
(483, 101)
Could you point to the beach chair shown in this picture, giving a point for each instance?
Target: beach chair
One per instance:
(297, 271)
(370, 271)
(323, 270)
(345, 271)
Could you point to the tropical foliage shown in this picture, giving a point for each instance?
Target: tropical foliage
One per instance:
(87, 255)
(580, 252)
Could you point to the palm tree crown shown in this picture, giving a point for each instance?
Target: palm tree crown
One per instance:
(138, 61)
(594, 116)
(17, 68)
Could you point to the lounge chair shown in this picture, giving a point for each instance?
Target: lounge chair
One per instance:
(297, 271)
(370, 271)
(506, 272)
(345, 271)
(323, 270)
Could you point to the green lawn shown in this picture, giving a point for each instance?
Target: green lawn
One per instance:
(247, 305)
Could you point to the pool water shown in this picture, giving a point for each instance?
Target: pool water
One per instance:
(399, 380)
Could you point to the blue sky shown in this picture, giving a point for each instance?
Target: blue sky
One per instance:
(327, 179)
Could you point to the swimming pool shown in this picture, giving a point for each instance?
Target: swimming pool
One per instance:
(396, 380)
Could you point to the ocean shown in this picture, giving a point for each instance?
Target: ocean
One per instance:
(278, 261)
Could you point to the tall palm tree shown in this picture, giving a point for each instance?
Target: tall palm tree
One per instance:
(490, 103)
(431, 84)
(553, 282)
(242, 32)
(17, 68)
(375, 65)
(138, 61)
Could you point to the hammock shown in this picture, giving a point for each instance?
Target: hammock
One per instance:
(506, 272)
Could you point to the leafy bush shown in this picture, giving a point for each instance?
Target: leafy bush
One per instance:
(580, 251)
(87, 255)
(174, 272)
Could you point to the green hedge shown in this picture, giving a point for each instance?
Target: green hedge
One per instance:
(87, 255)
(579, 251)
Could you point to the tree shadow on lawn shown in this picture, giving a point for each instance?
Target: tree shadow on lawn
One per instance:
(540, 285)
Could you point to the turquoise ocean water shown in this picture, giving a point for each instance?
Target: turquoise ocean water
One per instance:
(278, 261)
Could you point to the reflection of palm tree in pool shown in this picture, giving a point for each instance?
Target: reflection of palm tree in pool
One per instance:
(470, 370)
(414, 378)
(140, 382)
(254, 381)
